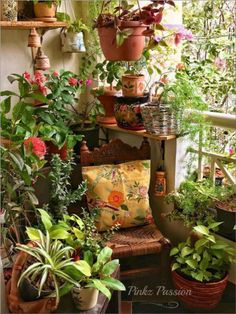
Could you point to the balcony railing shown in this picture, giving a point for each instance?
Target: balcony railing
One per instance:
(225, 121)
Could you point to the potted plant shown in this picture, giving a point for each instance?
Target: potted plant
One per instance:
(98, 280)
(84, 122)
(110, 73)
(122, 32)
(41, 279)
(45, 10)
(192, 202)
(200, 268)
(72, 38)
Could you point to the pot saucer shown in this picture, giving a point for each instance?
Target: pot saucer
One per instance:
(106, 120)
(45, 19)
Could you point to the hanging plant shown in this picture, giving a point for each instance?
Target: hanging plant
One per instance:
(122, 32)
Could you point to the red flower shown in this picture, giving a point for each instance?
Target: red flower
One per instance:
(43, 89)
(231, 151)
(26, 75)
(150, 219)
(81, 82)
(55, 74)
(73, 81)
(39, 77)
(164, 80)
(36, 145)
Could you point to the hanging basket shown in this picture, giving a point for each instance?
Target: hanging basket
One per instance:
(72, 42)
(158, 117)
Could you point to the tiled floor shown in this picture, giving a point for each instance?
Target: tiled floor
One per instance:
(147, 293)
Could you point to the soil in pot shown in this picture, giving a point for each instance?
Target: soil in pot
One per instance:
(198, 295)
(130, 50)
(226, 212)
(107, 99)
(85, 298)
(128, 112)
(133, 85)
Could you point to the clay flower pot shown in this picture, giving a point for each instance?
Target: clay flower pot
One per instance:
(130, 50)
(201, 295)
(43, 11)
(107, 99)
(53, 149)
(133, 85)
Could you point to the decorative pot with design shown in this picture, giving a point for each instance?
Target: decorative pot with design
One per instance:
(132, 47)
(128, 112)
(199, 295)
(133, 85)
(107, 99)
(85, 298)
(72, 42)
(9, 10)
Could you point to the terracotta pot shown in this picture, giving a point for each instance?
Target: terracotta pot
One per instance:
(130, 50)
(133, 85)
(43, 10)
(85, 298)
(201, 295)
(107, 99)
(53, 149)
(128, 112)
(15, 303)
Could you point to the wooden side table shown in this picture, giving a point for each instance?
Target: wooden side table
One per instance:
(103, 305)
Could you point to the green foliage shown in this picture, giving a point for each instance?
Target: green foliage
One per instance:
(192, 202)
(75, 26)
(61, 194)
(50, 258)
(203, 260)
(98, 272)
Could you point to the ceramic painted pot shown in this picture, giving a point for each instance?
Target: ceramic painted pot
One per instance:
(132, 47)
(85, 298)
(133, 85)
(128, 112)
(72, 42)
(199, 295)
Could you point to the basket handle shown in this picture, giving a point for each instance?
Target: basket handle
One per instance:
(155, 84)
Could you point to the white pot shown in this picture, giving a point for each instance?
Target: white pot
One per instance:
(72, 42)
(85, 298)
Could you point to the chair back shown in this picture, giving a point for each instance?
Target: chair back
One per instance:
(114, 152)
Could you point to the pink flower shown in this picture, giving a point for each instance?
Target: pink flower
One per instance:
(26, 75)
(39, 77)
(231, 151)
(143, 191)
(180, 66)
(73, 81)
(36, 145)
(181, 34)
(220, 63)
(164, 79)
(150, 219)
(43, 89)
(88, 82)
(55, 74)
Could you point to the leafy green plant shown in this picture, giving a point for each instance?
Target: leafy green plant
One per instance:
(203, 260)
(98, 273)
(50, 260)
(192, 202)
(75, 26)
(61, 193)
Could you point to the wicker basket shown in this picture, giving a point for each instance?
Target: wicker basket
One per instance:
(158, 118)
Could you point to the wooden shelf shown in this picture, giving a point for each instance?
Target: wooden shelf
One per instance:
(30, 24)
(114, 127)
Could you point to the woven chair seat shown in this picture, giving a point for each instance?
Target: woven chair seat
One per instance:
(137, 241)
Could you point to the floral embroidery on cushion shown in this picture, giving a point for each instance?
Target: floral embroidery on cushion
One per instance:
(116, 198)
(120, 193)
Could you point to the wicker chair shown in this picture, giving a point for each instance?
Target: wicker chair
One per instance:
(135, 241)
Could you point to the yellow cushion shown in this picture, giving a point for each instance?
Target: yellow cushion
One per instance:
(120, 192)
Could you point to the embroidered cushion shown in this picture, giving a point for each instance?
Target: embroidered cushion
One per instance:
(120, 192)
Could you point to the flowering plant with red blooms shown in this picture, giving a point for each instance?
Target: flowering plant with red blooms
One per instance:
(36, 146)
